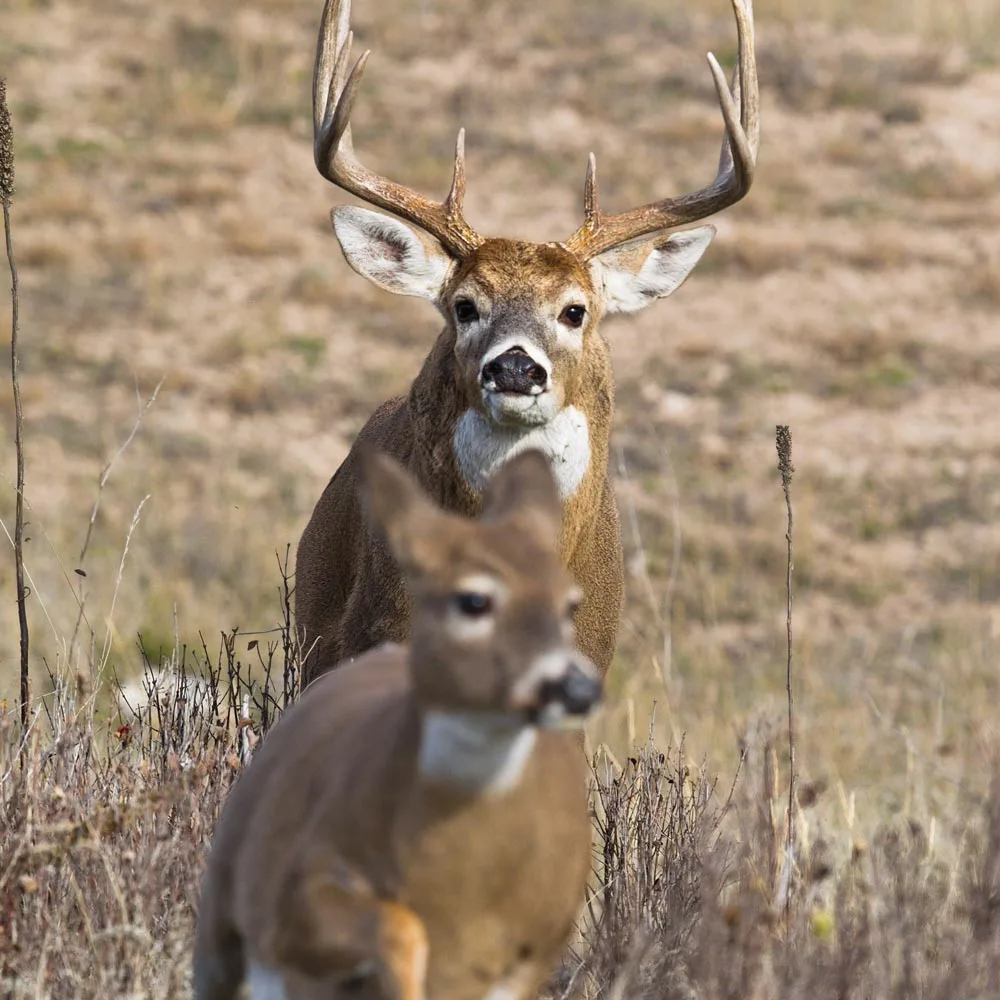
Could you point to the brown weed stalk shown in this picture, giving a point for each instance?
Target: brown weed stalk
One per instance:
(783, 440)
(6, 196)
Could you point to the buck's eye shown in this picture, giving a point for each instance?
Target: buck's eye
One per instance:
(466, 311)
(474, 605)
(573, 315)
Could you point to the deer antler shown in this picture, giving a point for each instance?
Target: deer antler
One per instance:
(334, 92)
(601, 232)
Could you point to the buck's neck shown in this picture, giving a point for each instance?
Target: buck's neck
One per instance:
(474, 754)
(461, 448)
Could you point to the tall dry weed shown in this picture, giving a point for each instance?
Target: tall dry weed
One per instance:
(697, 897)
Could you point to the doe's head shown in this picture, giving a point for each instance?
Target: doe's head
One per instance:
(492, 623)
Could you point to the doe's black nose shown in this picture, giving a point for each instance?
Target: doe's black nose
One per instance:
(514, 371)
(576, 690)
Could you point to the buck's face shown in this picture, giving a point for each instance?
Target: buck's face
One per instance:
(493, 606)
(522, 315)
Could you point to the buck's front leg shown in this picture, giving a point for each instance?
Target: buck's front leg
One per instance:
(331, 930)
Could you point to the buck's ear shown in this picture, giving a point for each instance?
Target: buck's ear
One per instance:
(524, 486)
(397, 503)
(636, 275)
(390, 253)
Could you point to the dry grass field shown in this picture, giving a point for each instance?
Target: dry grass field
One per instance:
(173, 240)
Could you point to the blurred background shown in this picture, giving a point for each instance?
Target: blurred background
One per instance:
(172, 232)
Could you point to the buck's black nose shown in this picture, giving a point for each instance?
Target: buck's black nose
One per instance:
(578, 692)
(514, 371)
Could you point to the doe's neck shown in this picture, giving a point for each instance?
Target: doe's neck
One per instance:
(475, 753)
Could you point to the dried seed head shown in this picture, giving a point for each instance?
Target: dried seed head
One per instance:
(6, 147)
(783, 440)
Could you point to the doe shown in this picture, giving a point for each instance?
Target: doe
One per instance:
(417, 824)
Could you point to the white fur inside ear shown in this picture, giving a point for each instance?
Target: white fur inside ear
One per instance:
(390, 253)
(632, 280)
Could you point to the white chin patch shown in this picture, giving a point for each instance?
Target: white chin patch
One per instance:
(518, 411)
(555, 717)
(482, 446)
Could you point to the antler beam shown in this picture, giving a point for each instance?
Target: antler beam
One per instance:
(334, 93)
(740, 105)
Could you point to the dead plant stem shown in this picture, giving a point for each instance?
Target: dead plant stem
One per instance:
(6, 192)
(783, 440)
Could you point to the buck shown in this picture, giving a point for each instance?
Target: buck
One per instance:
(520, 363)
(417, 823)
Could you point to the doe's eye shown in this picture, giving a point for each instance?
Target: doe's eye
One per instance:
(474, 605)
(466, 311)
(573, 316)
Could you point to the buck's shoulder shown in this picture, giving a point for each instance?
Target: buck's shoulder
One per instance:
(388, 427)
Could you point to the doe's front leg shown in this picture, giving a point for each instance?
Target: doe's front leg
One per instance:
(331, 928)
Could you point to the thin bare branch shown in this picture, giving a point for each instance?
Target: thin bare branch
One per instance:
(6, 194)
(106, 471)
(106, 651)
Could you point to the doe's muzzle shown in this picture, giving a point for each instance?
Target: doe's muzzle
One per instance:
(576, 691)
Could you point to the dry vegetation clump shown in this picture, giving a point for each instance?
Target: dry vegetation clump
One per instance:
(101, 856)
(105, 824)
(104, 828)
(700, 898)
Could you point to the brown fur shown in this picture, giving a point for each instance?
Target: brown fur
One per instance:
(349, 594)
(334, 851)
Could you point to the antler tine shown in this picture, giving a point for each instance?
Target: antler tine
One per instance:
(740, 106)
(328, 53)
(334, 93)
(591, 208)
(456, 196)
(746, 38)
(726, 152)
(735, 135)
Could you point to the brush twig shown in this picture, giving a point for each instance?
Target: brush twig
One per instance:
(783, 440)
(6, 194)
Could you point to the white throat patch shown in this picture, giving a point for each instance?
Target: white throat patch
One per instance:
(264, 983)
(477, 751)
(482, 447)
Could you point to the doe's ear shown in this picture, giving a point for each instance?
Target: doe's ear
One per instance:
(636, 275)
(390, 253)
(524, 486)
(397, 504)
